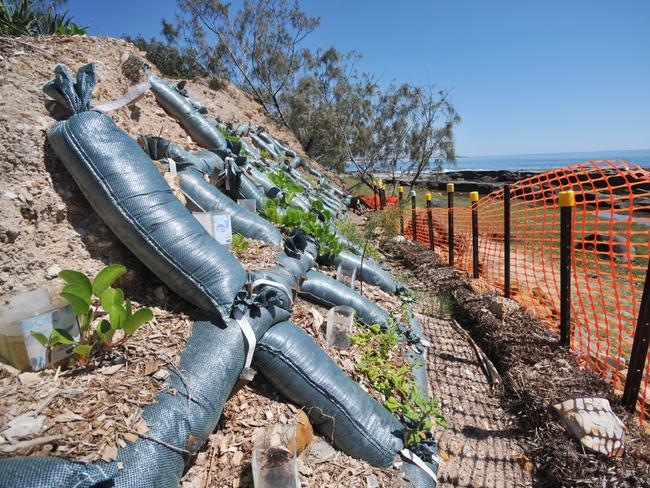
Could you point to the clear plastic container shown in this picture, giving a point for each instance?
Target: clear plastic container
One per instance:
(347, 275)
(275, 463)
(41, 310)
(339, 326)
(248, 203)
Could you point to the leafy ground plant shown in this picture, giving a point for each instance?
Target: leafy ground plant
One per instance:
(391, 376)
(240, 243)
(101, 310)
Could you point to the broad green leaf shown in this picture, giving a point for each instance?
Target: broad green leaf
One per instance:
(104, 331)
(40, 338)
(61, 336)
(111, 297)
(79, 279)
(135, 321)
(82, 350)
(118, 314)
(106, 277)
(391, 404)
(77, 298)
(289, 196)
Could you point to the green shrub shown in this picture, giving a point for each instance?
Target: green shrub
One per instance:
(20, 18)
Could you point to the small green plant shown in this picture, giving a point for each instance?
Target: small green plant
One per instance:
(19, 18)
(264, 154)
(229, 136)
(284, 182)
(392, 378)
(101, 310)
(240, 243)
(445, 303)
(291, 218)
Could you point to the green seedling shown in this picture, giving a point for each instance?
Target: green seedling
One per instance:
(393, 379)
(89, 300)
(240, 243)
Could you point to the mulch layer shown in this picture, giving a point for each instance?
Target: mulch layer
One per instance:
(536, 372)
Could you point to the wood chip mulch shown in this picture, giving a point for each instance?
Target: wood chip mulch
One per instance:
(537, 373)
(86, 413)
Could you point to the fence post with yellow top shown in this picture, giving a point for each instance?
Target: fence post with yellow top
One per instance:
(473, 198)
(400, 194)
(450, 221)
(414, 215)
(382, 202)
(430, 220)
(567, 204)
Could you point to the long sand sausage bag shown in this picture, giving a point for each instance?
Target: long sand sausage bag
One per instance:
(134, 200)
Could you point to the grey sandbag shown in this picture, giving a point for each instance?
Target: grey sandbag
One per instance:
(159, 148)
(127, 191)
(321, 289)
(262, 180)
(336, 404)
(260, 144)
(210, 199)
(204, 133)
(183, 416)
(368, 271)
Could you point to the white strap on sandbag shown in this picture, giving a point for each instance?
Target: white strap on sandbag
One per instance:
(130, 96)
(274, 284)
(249, 335)
(415, 459)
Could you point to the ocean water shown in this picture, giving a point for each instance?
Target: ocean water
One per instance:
(544, 162)
(539, 162)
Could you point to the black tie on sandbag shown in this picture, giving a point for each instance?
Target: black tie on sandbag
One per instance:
(336, 404)
(240, 186)
(128, 192)
(208, 198)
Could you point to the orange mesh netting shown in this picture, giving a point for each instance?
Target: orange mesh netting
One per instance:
(611, 232)
(371, 201)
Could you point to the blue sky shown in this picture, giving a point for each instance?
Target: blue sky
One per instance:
(526, 76)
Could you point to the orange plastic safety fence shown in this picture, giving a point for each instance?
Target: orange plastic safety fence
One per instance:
(371, 201)
(611, 237)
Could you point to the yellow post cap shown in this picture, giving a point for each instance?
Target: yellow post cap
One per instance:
(400, 189)
(473, 196)
(450, 188)
(427, 196)
(567, 199)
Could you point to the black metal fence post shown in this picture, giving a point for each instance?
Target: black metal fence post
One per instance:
(400, 192)
(450, 222)
(430, 220)
(639, 350)
(414, 216)
(473, 197)
(374, 194)
(567, 203)
(506, 241)
(382, 195)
